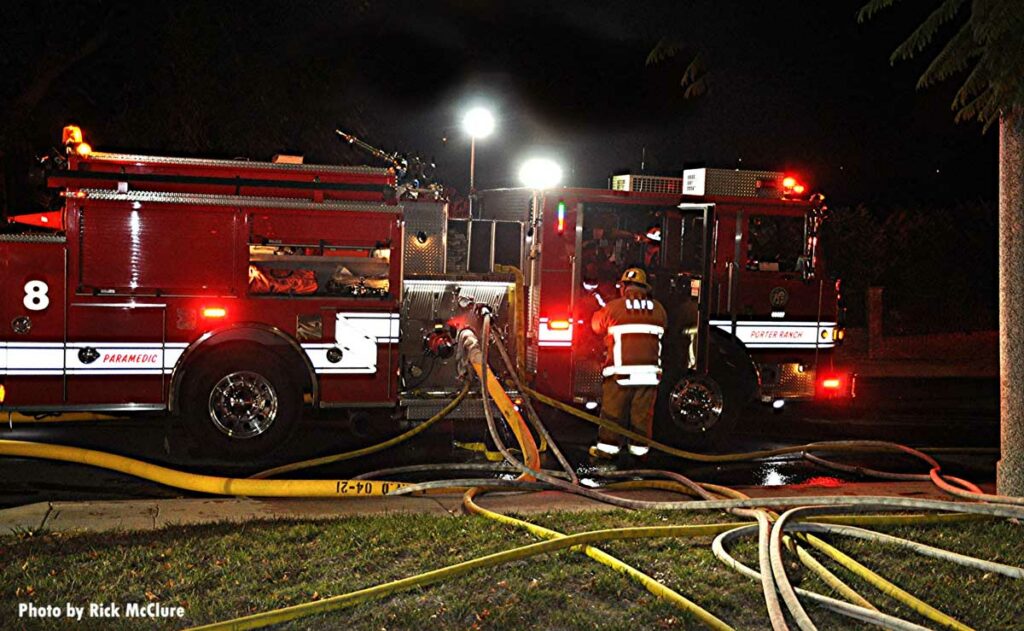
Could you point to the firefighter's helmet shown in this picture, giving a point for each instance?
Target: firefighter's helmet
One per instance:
(635, 276)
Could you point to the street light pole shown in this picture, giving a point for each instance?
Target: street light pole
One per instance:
(478, 123)
(472, 169)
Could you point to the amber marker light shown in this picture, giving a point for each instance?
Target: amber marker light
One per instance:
(831, 384)
(72, 135)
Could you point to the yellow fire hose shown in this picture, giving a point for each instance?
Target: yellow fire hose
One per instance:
(480, 448)
(199, 483)
(650, 584)
(769, 588)
(692, 455)
(527, 445)
(580, 541)
(967, 490)
(372, 449)
(886, 587)
(477, 355)
(354, 598)
(323, 488)
(17, 418)
(808, 559)
(876, 580)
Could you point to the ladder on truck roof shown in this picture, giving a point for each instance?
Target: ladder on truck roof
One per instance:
(129, 172)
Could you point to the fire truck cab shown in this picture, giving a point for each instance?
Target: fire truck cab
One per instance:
(734, 258)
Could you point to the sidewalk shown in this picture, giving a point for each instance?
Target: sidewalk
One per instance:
(922, 356)
(103, 516)
(926, 368)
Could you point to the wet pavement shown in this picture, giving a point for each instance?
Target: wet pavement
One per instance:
(942, 412)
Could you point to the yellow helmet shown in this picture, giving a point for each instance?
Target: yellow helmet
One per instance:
(635, 276)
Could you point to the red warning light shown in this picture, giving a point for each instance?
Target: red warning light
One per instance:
(789, 182)
(837, 386)
(214, 312)
(558, 325)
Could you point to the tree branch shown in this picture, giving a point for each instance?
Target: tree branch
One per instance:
(54, 67)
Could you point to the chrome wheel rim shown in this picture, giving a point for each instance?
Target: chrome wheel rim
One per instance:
(696, 403)
(243, 404)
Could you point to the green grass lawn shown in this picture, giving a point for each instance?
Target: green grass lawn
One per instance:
(222, 571)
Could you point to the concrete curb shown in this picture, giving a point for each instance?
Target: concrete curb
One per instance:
(915, 368)
(128, 515)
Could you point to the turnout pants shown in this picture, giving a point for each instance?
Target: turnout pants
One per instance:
(631, 407)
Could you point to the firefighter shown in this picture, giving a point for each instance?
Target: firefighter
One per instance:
(632, 325)
(652, 247)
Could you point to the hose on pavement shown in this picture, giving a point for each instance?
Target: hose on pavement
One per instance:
(372, 449)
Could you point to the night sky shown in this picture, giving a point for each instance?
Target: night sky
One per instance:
(798, 85)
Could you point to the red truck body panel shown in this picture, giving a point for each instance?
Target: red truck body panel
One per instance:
(158, 259)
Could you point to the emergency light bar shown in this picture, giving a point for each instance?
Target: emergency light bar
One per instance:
(791, 186)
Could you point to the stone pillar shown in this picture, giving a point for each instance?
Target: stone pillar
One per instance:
(1010, 469)
(875, 339)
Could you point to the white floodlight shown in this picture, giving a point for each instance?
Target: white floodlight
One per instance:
(478, 122)
(540, 173)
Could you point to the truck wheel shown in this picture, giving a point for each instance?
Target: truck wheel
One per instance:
(703, 409)
(701, 414)
(240, 404)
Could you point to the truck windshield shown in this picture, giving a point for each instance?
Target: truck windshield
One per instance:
(616, 237)
(775, 243)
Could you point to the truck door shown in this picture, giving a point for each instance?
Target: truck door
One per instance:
(704, 401)
(693, 282)
(115, 354)
(671, 242)
(124, 261)
(33, 320)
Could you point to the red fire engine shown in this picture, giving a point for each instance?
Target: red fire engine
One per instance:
(734, 257)
(234, 293)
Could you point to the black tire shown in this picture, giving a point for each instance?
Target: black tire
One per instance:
(239, 403)
(732, 381)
